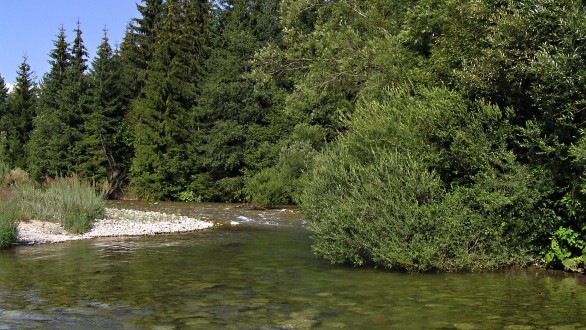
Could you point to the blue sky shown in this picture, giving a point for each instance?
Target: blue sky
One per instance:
(30, 26)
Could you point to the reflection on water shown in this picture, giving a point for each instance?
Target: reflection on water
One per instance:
(258, 276)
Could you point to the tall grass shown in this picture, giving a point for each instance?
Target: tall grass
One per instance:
(4, 169)
(8, 221)
(68, 201)
(8, 211)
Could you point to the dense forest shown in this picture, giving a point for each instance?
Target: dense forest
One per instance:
(416, 135)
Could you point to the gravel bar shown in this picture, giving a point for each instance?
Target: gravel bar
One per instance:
(118, 222)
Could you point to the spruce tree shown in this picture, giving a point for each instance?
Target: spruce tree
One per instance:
(55, 142)
(239, 117)
(3, 111)
(18, 122)
(138, 45)
(3, 97)
(162, 167)
(227, 106)
(104, 155)
(74, 100)
(48, 146)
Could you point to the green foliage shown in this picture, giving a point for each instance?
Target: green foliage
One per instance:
(79, 204)
(8, 222)
(568, 249)
(338, 52)
(522, 55)
(4, 169)
(4, 158)
(567, 246)
(423, 182)
(188, 196)
(268, 189)
(281, 183)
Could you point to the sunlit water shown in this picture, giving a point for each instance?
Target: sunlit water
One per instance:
(260, 275)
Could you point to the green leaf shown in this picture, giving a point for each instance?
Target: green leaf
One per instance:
(571, 263)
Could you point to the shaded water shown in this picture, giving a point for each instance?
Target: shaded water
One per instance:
(260, 275)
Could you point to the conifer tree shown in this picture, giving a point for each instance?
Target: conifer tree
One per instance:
(3, 97)
(55, 142)
(229, 105)
(138, 45)
(104, 156)
(19, 119)
(48, 146)
(3, 111)
(74, 100)
(161, 167)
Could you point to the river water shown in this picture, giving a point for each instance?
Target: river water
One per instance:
(260, 274)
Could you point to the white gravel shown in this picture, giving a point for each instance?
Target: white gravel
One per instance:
(118, 222)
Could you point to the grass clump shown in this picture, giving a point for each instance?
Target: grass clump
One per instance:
(78, 203)
(8, 222)
(70, 202)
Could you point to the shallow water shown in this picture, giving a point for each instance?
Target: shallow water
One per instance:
(260, 275)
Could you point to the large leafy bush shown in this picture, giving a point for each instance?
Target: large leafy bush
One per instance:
(424, 181)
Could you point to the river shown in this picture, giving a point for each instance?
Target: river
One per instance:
(260, 274)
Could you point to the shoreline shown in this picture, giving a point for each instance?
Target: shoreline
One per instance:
(116, 223)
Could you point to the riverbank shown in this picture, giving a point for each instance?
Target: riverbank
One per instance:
(117, 222)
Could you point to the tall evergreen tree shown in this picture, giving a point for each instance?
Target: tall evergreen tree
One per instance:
(55, 142)
(138, 45)
(48, 146)
(3, 97)
(18, 121)
(161, 167)
(74, 107)
(104, 155)
(3, 111)
(230, 108)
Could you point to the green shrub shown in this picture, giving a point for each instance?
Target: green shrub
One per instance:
(230, 188)
(8, 222)
(424, 181)
(568, 249)
(267, 188)
(281, 184)
(187, 196)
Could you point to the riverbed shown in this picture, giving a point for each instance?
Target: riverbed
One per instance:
(260, 274)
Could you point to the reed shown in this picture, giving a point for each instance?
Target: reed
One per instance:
(8, 221)
(71, 202)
